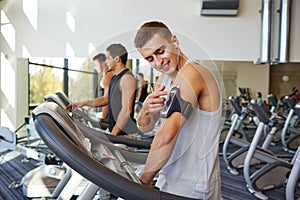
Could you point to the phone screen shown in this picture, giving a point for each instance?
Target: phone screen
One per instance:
(168, 102)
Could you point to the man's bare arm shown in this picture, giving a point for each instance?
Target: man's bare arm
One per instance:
(127, 86)
(162, 147)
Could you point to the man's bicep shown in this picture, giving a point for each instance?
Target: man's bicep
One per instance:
(128, 86)
(190, 84)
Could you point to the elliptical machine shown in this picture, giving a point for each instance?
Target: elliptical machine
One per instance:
(31, 146)
(276, 171)
(290, 143)
(235, 136)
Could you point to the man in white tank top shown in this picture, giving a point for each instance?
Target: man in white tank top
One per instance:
(184, 150)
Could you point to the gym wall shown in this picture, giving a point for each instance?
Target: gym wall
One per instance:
(56, 28)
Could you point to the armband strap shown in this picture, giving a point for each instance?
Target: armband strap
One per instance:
(176, 104)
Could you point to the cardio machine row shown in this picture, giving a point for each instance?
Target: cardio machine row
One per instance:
(261, 168)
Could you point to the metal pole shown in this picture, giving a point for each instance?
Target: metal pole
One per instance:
(66, 77)
(284, 31)
(266, 26)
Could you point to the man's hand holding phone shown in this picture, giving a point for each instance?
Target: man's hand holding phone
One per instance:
(155, 101)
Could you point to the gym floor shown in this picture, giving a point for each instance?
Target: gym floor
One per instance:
(13, 167)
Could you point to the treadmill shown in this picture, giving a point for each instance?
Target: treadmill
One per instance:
(90, 125)
(104, 164)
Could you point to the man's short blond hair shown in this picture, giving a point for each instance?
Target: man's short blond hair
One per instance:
(148, 30)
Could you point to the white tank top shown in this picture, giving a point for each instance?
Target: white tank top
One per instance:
(193, 169)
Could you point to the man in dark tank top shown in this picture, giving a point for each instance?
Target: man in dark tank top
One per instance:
(121, 94)
(142, 88)
(103, 81)
(142, 92)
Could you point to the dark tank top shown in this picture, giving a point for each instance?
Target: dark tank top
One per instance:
(100, 91)
(115, 105)
(144, 93)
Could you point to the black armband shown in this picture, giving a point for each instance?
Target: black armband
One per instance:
(176, 104)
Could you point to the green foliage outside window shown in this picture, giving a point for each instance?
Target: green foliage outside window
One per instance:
(43, 82)
(48, 80)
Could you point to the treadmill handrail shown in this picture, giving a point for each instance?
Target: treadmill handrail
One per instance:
(63, 97)
(114, 139)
